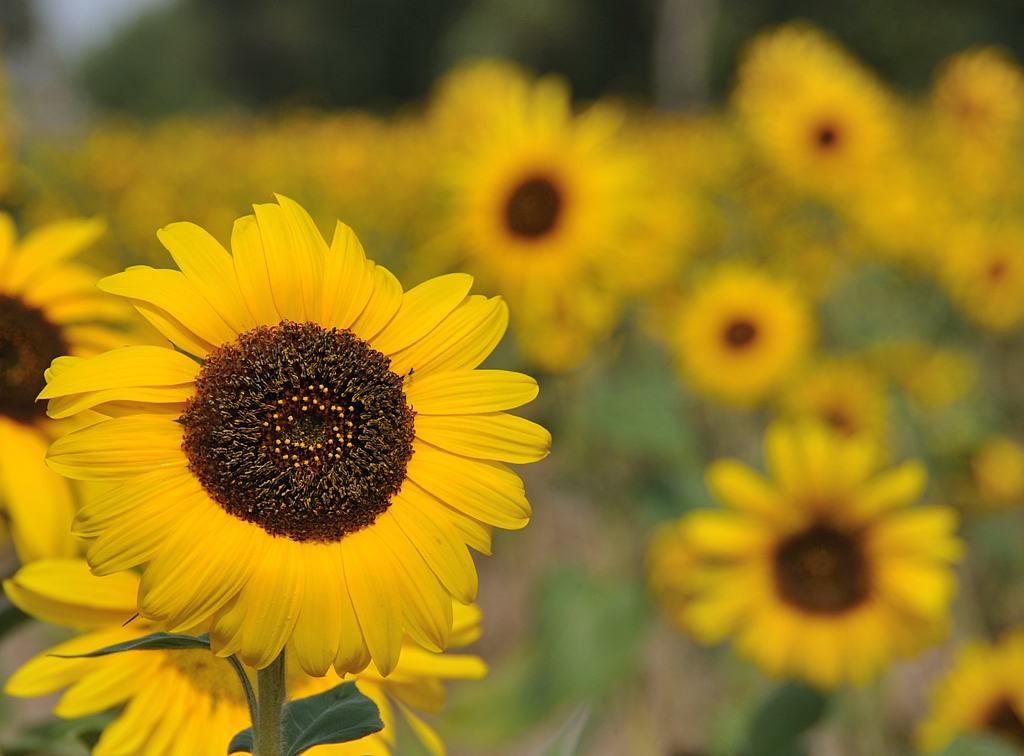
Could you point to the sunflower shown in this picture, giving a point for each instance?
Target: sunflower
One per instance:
(535, 194)
(841, 393)
(825, 572)
(190, 702)
(983, 692)
(741, 333)
(814, 115)
(984, 272)
(997, 469)
(309, 457)
(49, 306)
(978, 113)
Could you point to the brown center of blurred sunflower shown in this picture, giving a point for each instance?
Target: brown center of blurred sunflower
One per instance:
(740, 333)
(839, 420)
(1004, 720)
(822, 570)
(28, 344)
(533, 208)
(301, 430)
(826, 135)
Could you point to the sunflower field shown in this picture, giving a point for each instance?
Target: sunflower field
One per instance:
(516, 420)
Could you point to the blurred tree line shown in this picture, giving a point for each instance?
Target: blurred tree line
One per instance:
(201, 54)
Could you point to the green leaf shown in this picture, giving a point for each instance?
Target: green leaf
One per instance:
(783, 719)
(338, 715)
(151, 642)
(980, 745)
(60, 737)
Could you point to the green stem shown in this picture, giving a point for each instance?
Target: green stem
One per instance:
(243, 678)
(271, 693)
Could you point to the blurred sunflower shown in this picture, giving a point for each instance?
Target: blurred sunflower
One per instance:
(312, 458)
(190, 702)
(983, 692)
(824, 572)
(841, 393)
(997, 469)
(813, 113)
(535, 195)
(49, 306)
(984, 272)
(977, 115)
(741, 333)
(932, 376)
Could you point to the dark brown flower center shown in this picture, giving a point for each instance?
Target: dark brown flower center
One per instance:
(827, 136)
(997, 270)
(28, 344)
(1004, 720)
(740, 333)
(839, 420)
(822, 570)
(534, 207)
(301, 430)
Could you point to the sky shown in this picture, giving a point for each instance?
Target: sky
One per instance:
(77, 26)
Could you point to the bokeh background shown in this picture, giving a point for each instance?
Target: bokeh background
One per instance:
(151, 111)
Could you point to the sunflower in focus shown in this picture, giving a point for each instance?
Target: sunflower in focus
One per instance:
(997, 470)
(983, 692)
(49, 306)
(310, 455)
(841, 393)
(823, 572)
(984, 272)
(190, 702)
(815, 116)
(741, 333)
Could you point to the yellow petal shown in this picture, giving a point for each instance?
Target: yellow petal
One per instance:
(426, 605)
(487, 491)
(183, 592)
(43, 251)
(120, 368)
(141, 398)
(422, 308)
(319, 625)
(171, 293)
(251, 271)
(496, 436)
(460, 342)
(348, 280)
(209, 268)
(272, 597)
(433, 536)
(294, 260)
(893, 488)
(37, 500)
(353, 655)
(65, 592)
(736, 485)
(382, 304)
(372, 581)
(118, 448)
(464, 392)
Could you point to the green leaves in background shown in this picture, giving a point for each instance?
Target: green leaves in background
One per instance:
(980, 745)
(587, 632)
(338, 715)
(60, 737)
(783, 719)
